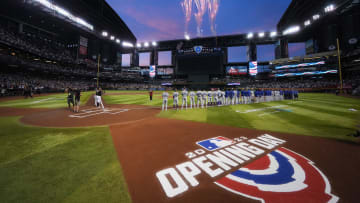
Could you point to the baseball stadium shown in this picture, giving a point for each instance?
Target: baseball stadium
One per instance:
(200, 101)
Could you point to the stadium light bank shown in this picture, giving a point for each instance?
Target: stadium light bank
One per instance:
(65, 13)
(291, 30)
(127, 44)
(250, 35)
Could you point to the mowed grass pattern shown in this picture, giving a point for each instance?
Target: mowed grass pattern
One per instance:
(48, 101)
(322, 115)
(58, 165)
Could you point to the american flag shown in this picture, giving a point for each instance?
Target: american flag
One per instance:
(253, 68)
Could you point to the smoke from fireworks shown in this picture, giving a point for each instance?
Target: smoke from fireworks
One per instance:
(187, 8)
(202, 6)
(213, 6)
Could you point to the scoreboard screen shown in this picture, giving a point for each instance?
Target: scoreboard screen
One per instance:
(200, 64)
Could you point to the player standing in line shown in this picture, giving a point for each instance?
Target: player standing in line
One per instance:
(256, 96)
(234, 96)
(199, 98)
(238, 96)
(204, 99)
(70, 98)
(184, 95)
(219, 94)
(77, 100)
(296, 95)
(98, 98)
(226, 97)
(176, 99)
(223, 97)
(252, 92)
(243, 96)
(165, 97)
(249, 96)
(192, 99)
(210, 99)
(216, 98)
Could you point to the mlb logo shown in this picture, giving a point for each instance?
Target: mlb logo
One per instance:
(215, 143)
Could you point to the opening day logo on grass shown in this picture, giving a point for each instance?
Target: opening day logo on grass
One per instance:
(279, 175)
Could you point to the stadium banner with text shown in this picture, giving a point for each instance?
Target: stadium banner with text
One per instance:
(83, 44)
(236, 70)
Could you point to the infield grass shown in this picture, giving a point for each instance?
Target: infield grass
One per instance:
(46, 101)
(58, 165)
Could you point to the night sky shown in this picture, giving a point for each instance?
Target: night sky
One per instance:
(164, 20)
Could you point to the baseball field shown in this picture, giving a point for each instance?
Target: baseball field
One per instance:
(292, 150)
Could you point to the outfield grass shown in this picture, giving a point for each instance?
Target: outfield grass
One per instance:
(319, 115)
(58, 165)
(322, 115)
(49, 101)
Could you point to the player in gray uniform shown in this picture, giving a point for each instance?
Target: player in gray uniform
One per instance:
(223, 97)
(252, 98)
(204, 99)
(216, 100)
(209, 97)
(192, 99)
(234, 97)
(219, 96)
(199, 98)
(165, 97)
(184, 95)
(176, 99)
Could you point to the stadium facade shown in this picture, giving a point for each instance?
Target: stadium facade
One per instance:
(71, 35)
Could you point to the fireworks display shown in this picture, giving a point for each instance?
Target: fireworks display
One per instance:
(187, 8)
(212, 6)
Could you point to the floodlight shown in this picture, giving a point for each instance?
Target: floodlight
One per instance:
(138, 45)
(146, 44)
(261, 34)
(273, 34)
(127, 44)
(154, 43)
(104, 34)
(291, 30)
(187, 37)
(329, 8)
(316, 17)
(307, 23)
(112, 37)
(250, 35)
(118, 41)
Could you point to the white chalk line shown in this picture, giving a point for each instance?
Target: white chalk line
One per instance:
(97, 111)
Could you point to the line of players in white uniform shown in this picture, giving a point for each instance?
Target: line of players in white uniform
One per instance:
(203, 99)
